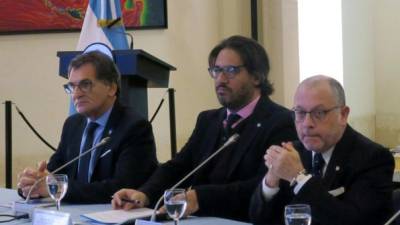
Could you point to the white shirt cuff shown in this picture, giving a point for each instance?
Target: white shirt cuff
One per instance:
(268, 192)
(300, 182)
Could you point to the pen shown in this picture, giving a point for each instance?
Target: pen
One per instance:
(133, 201)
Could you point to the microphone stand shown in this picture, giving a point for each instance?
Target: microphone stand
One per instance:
(230, 141)
(101, 143)
(393, 218)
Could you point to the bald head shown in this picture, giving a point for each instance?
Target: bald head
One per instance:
(320, 112)
(334, 86)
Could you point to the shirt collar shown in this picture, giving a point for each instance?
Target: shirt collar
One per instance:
(102, 120)
(245, 111)
(326, 155)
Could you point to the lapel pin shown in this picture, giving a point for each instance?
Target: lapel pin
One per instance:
(258, 124)
(337, 168)
(109, 132)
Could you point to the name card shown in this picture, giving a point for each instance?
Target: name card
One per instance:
(146, 222)
(48, 217)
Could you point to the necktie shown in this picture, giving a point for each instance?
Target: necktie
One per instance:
(318, 165)
(232, 118)
(83, 170)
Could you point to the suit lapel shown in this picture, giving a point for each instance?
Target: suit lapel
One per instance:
(214, 134)
(334, 167)
(75, 145)
(252, 128)
(338, 160)
(332, 170)
(337, 163)
(107, 132)
(210, 145)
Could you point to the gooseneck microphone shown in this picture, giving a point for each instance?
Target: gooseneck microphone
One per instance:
(101, 143)
(393, 218)
(114, 22)
(230, 141)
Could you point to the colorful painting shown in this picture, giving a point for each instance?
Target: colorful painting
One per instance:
(20, 16)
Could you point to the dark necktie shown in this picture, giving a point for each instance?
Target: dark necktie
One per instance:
(217, 171)
(83, 170)
(232, 118)
(318, 165)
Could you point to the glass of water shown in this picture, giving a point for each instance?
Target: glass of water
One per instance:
(175, 203)
(57, 185)
(298, 214)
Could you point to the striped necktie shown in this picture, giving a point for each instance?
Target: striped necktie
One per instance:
(318, 165)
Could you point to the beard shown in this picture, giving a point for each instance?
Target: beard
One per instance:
(235, 100)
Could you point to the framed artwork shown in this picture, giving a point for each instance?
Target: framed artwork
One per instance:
(30, 16)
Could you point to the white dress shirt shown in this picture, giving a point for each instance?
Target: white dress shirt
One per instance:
(269, 192)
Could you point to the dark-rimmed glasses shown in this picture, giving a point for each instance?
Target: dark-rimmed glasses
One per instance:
(229, 71)
(316, 115)
(84, 85)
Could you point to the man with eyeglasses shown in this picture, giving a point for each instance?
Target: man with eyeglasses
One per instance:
(239, 67)
(126, 160)
(345, 177)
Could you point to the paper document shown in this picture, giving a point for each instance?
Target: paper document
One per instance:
(6, 205)
(27, 207)
(118, 216)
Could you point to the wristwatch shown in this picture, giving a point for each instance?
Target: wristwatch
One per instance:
(300, 176)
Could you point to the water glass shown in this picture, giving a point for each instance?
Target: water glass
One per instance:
(175, 202)
(57, 185)
(298, 214)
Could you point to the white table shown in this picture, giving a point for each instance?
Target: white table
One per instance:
(7, 196)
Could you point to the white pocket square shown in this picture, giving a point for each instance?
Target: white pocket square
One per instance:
(336, 192)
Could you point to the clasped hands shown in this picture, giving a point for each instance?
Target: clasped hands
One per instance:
(120, 198)
(283, 162)
(29, 176)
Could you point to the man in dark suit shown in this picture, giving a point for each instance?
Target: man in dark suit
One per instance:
(126, 160)
(344, 177)
(239, 67)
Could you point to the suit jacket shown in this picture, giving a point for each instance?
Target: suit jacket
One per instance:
(230, 195)
(358, 166)
(130, 162)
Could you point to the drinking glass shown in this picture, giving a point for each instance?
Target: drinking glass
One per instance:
(298, 214)
(175, 203)
(57, 185)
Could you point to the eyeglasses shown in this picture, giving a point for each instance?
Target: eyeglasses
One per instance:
(84, 85)
(229, 71)
(316, 115)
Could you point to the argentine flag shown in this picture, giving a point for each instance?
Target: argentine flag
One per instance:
(103, 23)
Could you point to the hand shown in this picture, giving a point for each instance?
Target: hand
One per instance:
(284, 161)
(192, 202)
(271, 180)
(129, 194)
(192, 205)
(29, 176)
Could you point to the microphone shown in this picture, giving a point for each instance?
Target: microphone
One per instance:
(131, 39)
(101, 143)
(393, 218)
(114, 22)
(230, 141)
